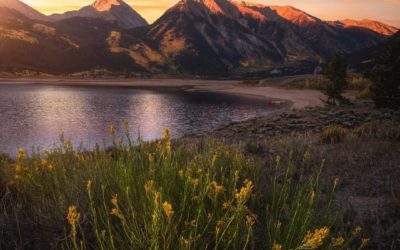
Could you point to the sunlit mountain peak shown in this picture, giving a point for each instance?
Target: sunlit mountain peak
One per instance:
(105, 5)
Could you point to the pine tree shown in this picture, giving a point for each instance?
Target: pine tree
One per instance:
(386, 76)
(336, 72)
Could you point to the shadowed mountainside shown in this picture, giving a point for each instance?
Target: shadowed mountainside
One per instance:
(200, 37)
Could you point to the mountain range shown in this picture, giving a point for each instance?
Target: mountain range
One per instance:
(196, 37)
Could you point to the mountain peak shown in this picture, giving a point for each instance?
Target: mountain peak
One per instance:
(22, 8)
(105, 5)
(213, 6)
(295, 15)
(115, 11)
(375, 26)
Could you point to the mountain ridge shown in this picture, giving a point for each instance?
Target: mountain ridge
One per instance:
(111, 10)
(197, 37)
(23, 8)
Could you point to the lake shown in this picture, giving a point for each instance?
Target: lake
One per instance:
(35, 115)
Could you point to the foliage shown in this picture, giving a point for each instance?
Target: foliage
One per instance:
(386, 77)
(336, 72)
(388, 130)
(333, 134)
(155, 195)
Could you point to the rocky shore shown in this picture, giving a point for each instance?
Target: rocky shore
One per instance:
(304, 120)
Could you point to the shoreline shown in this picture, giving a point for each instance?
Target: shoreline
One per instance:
(291, 98)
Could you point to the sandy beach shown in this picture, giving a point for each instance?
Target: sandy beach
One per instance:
(296, 98)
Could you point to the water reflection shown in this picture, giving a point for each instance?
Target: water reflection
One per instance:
(35, 115)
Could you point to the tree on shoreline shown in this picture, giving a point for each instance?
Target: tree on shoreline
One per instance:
(336, 72)
(386, 76)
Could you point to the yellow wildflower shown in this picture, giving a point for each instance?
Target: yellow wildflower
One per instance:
(50, 167)
(167, 140)
(218, 188)
(114, 200)
(181, 173)
(338, 242)
(44, 162)
(184, 241)
(73, 218)
(245, 192)
(357, 230)
(335, 183)
(226, 205)
(314, 240)
(195, 182)
(215, 189)
(156, 199)
(277, 246)
(149, 186)
(21, 154)
(116, 212)
(250, 220)
(18, 168)
(364, 242)
(167, 207)
(89, 184)
(166, 135)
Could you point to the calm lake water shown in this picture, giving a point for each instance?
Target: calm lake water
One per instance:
(32, 115)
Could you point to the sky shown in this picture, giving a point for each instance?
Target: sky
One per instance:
(387, 11)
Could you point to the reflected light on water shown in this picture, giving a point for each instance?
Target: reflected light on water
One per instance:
(35, 115)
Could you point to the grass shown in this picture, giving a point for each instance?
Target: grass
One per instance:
(251, 82)
(333, 134)
(319, 82)
(158, 195)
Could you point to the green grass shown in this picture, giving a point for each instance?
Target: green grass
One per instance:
(154, 195)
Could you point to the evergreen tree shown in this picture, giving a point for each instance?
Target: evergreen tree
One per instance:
(336, 72)
(386, 76)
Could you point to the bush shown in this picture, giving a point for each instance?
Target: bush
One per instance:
(367, 93)
(388, 130)
(333, 134)
(251, 82)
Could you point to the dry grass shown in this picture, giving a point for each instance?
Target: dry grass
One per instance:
(200, 195)
(333, 134)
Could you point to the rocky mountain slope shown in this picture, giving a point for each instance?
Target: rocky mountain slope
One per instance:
(364, 60)
(62, 47)
(378, 27)
(200, 36)
(196, 37)
(111, 10)
(23, 8)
